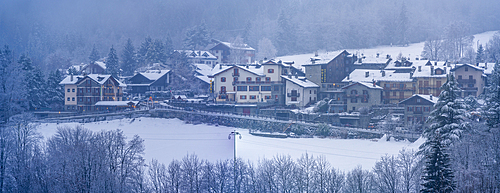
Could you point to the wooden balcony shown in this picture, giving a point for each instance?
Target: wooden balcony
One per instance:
(293, 94)
(466, 81)
(256, 82)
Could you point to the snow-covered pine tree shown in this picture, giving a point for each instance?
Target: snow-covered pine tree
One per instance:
(480, 54)
(143, 51)
(55, 92)
(94, 55)
(197, 37)
(492, 97)
(448, 117)
(169, 46)
(438, 176)
(156, 53)
(129, 62)
(34, 83)
(112, 66)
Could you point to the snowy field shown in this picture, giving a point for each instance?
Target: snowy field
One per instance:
(168, 139)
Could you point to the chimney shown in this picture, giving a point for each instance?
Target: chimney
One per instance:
(435, 63)
(388, 56)
(432, 70)
(71, 77)
(444, 69)
(431, 97)
(420, 68)
(367, 74)
(316, 54)
(383, 73)
(220, 66)
(411, 74)
(378, 54)
(485, 65)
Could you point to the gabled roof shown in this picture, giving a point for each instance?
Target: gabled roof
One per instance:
(457, 66)
(359, 75)
(99, 78)
(197, 54)
(234, 46)
(425, 70)
(324, 58)
(366, 84)
(154, 74)
(257, 70)
(430, 98)
(488, 67)
(301, 81)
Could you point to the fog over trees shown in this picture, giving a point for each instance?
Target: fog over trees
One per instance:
(55, 30)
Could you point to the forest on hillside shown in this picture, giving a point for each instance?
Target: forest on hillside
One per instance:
(58, 33)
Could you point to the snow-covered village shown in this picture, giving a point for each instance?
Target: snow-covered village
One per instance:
(250, 96)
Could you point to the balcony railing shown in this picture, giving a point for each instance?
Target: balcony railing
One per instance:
(357, 95)
(466, 81)
(469, 88)
(256, 82)
(109, 94)
(293, 94)
(222, 92)
(236, 74)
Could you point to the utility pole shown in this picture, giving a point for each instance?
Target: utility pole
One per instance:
(234, 134)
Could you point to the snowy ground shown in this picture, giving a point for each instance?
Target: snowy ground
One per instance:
(168, 139)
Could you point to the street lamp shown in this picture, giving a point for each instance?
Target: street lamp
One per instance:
(234, 134)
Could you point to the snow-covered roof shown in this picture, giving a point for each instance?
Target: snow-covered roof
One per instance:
(407, 64)
(115, 103)
(366, 84)
(101, 64)
(99, 78)
(257, 70)
(237, 46)
(323, 58)
(301, 81)
(198, 54)
(488, 67)
(372, 60)
(430, 98)
(360, 75)
(154, 74)
(457, 66)
(425, 71)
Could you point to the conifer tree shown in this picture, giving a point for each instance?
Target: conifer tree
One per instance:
(169, 46)
(34, 84)
(112, 63)
(438, 176)
(448, 116)
(55, 92)
(492, 93)
(94, 55)
(129, 63)
(143, 51)
(480, 54)
(197, 37)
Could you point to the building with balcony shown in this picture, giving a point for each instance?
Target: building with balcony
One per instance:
(430, 77)
(233, 53)
(362, 94)
(81, 93)
(299, 91)
(151, 80)
(396, 86)
(417, 108)
(470, 79)
(328, 71)
(197, 57)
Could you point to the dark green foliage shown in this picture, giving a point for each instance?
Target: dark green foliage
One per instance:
(480, 54)
(438, 176)
(129, 62)
(112, 63)
(34, 83)
(94, 55)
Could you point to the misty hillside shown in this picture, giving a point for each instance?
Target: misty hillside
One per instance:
(69, 29)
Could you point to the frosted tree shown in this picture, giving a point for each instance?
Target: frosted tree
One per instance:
(11, 80)
(480, 54)
(448, 117)
(457, 40)
(197, 37)
(112, 66)
(129, 60)
(94, 55)
(492, 97)
(169, 46)
(266, 49)
(387, 174)
(143, 51)
(55, 92)
(409, 166)
(438, 176)
(359, 180)
(493, 48)
(286, 39)
(34, 83)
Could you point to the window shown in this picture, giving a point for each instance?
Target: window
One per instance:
(223, 89)
(68, 89)
(354, 100)
(80, 99)
(270, 70)
(466, 69)
(293, 99)
(265, 88)
(401, 86)
(253, 97)
(68, 98)
(394, 85)
(401, 95)
(236, 73)
(365, 92)
(73, 99)
(276, 88)
(314, 91)
(243, 96)
(354, 92)
(418, 100)
(88, 90)
(385, 85)
(249, 79)
(470, 77)
(223, 79)
(459, 77)
(268, 79)
(257, 79)
(267, 97)
(438, 84)
(470, 85)
(310, 91)
(394, 94)
(73, 90)
(253, 88)
(235, 79)
(241, 88)
(88, 99)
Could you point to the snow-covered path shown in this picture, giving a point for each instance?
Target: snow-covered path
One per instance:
(168, 139)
